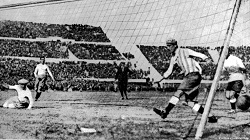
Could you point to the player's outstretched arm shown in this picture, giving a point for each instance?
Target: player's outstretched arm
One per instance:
(170, 68)
(197, 54)
(5, 85)
(35, 72)
(50, 73)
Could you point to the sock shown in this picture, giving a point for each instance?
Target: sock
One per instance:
(233, 106)
(201, 110)
(198, 108)
(169, 108)
(232, 102)
(172, 102)
(38, 94)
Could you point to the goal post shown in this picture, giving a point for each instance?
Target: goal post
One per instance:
(224, 53)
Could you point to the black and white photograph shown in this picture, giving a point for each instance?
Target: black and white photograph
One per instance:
(125, 69)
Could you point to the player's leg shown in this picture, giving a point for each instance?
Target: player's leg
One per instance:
(232, 91)
(196, 107)
(191, 95)
(36, 84)
(37, 88)
(171, 104)
(230, 96)
(175, 98)
(40, 87)
(11, 102)
(120, 87)
(125, 87)
(38, 94)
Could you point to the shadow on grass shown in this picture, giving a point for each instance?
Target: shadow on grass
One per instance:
(218, 117)
(213, 132)
(69, 100)
(42, 107)
(229, 130)
(105, 104)
(141, 98)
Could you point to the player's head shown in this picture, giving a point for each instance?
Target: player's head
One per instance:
(231, 50)
(172, 44)
(23, 83)
(129, 64)
(122, 64)
(42, 59)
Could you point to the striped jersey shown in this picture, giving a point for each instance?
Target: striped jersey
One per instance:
(188, 64)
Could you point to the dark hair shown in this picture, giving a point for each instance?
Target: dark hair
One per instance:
(171, 41)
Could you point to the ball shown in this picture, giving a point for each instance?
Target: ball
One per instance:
(243, 102)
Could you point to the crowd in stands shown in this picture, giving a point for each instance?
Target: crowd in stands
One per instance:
(158, 56)
(31, 30)
(57, 49)
(22, 48)
(93, 51)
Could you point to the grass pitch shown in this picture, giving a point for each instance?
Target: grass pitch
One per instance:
(61, 115)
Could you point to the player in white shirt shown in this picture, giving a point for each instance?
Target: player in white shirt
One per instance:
(40, 73)
(24, 97)
(237, 70)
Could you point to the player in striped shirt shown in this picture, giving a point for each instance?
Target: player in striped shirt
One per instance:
(236, 81)
(191, 82)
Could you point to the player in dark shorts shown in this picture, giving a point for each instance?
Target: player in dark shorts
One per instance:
(236, 82)
(191, 82)
(40, 73)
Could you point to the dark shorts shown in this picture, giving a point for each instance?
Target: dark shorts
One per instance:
(40, 84)
(122, 86)
(190, 82)
(235, 86)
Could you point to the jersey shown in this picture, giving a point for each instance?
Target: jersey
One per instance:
(22, 93)
(233, 64)
(183, 59)
(41, 70)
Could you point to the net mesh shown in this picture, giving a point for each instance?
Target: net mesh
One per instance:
(129, 23)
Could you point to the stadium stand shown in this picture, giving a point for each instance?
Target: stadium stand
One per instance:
(93, 51)
(22, 48)
(78, 32)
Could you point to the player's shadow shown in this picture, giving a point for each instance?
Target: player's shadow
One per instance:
(243, 111)
(226, 116)
(69, 100)
(167, 121)
(34, 107)
(42, 107)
